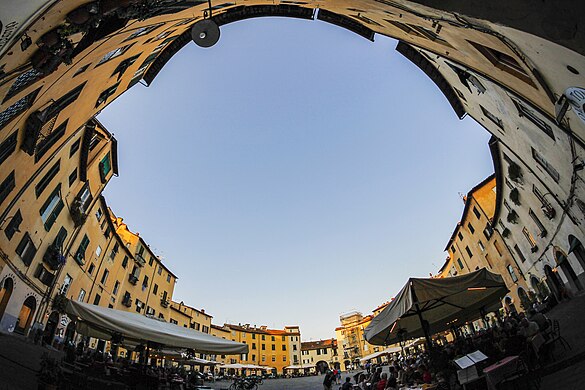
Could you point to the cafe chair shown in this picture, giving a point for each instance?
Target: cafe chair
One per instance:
(521, 379)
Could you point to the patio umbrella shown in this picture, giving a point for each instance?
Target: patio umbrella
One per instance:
(427, 306)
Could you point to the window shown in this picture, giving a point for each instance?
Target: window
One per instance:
(13, 225)
(51, 208)
(273, 358)
(480, 244)
(17, 108)
(72, 177)
(8, 146)
(143, 31)
(48, 141)
(503, 62)
(294, 347)
(150, 261)
(84, 198)
(98, 251)
(140, 305)
(81, 70)
(272, 337)
(253, 336)
(524, 111)
(263, 347)
(21, 82)
(476, 212)
(263, 337)
(547, 167)
(529, 237)
(106, 94)
(113, 54)
(145, 283)
(168, 278)
(460, 264)
(125, 262)
(419, 31)
(7, 186)
(160, 269)
(470, 227)
(80, 254)
(283, 347)
(452, 249)
(115, 250)
(468, 252)
(124, 65)
(538, 223)
(91, 269)
(512, 273)
(99, 214)
(155, 289)
(498, 247)
(460, 236)
(105, 277)
(116, 287)
(487, 259)
(497, 121)
(488, 231)
(284, 358)
(81, 295)
(519, 253)
(26, 249)
(273, 347)
(74, 148)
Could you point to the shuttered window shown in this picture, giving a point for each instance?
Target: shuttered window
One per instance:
(52, 207)
(46, 180)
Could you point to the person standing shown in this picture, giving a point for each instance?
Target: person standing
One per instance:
(328, 380)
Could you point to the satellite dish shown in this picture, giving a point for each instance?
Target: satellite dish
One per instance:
(205, 33)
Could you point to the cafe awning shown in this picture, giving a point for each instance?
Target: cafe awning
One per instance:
(438, 303)
(102, 323)
(386, 351)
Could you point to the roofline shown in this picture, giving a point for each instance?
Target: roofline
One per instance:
(110, 223)
(494, 144)
(179, 311)
(190, 307)
(467, 205)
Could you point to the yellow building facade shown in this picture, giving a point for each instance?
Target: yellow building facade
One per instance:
(321, 353)
(475, 244)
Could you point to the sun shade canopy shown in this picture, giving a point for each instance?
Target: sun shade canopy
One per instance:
(387, 351)
(101, 322)
(440, 302)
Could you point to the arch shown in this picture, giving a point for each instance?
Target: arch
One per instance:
(524, 299)
(576, 247)
(321, 366)
(26, 315)
(563, 263)
(5, 294)
(539, 287)
(552, 281)
(51, 328)
(70, 332)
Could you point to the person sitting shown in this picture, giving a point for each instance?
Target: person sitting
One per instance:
(425, 374)
(347, 385)
(540, 319)
(528, 328)
(381, 384)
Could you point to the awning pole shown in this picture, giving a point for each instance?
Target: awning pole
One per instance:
(422, 321)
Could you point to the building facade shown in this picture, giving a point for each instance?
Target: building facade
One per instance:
(321, 353)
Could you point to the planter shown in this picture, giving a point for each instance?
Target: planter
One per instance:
(512, 217)
(515, 172)
(515, 196)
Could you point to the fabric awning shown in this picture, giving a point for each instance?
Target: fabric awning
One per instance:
(386, 351)
(102, 323)
(440, 302)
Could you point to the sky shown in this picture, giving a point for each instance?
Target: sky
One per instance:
(292, 173)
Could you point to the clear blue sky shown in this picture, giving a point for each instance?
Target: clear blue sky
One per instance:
(293, 172)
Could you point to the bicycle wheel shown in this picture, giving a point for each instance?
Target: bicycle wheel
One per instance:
(233, 386)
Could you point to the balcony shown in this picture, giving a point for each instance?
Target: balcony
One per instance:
(140, 259)
(53, 257)
(164, 302)
(133, 279)
(127, 301)
(76, 211)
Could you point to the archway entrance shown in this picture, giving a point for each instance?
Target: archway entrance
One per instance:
(568, 270)
(553, 282)
(539, 287)
(576, 247)
(70, 332)
(321, 366)
(524, 299)
(50, 328)
(346, 364)
(5, 293)
(26, 315)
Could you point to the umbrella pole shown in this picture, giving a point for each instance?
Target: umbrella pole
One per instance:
(422, 321)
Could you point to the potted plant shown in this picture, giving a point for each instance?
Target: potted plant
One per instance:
(515, 172)
(506, 232)
(59, 303)
(50, 375)
(512, 217)
(77, 214)
(515, 196)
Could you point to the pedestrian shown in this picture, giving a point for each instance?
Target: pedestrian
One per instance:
(328, 380)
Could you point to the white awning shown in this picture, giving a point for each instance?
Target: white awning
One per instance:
(102, 323)
(303, 367)
(387, 351)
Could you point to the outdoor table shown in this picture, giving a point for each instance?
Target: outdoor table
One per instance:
(498, 371)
